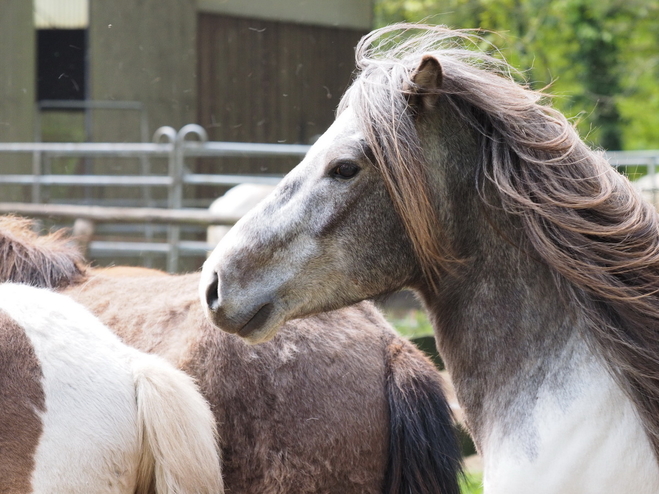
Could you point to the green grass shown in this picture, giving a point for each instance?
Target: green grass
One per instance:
(472, 484)
(411, 323)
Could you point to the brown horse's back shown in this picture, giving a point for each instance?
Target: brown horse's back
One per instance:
(306, 412)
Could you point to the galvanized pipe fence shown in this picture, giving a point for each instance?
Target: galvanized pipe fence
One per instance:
(175, 147)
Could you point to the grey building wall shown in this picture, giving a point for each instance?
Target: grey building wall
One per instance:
(347, 14)
(17, 80)
(143, 51)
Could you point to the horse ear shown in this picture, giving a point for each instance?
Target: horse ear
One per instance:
(427, 81)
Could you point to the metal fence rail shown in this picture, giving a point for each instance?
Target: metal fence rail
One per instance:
(623, 159)
(201, 217)
(167, 143)
(176, 147)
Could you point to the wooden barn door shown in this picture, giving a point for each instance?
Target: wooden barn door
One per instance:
(264, 81)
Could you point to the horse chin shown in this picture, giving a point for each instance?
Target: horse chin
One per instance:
(254, 327)
(262, 335)
(264, 332)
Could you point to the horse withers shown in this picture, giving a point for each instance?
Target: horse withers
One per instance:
(537, 262)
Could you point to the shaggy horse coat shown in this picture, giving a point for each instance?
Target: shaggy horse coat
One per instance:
(82, 412)
(336, 403)
(538, 262)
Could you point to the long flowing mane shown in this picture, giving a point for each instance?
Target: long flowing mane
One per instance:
(49, 261)
(580, 216)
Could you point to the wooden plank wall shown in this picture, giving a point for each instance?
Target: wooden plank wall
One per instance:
(265, 81)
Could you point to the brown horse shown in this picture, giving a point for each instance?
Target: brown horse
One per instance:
(537, 261)
(335, 403)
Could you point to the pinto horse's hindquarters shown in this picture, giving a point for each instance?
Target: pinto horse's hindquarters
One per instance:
(21, 402)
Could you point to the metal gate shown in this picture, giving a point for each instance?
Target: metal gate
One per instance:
(175, 147)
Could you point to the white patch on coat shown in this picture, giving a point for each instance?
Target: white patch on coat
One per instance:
(108, 406)
(593, 444)
(88, 445)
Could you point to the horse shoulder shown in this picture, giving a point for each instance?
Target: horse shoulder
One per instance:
(587, 438)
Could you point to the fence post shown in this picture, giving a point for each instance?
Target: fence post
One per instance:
(177, 171)
(36, 158)
(83, 232)
(652, 171)
(169, 135)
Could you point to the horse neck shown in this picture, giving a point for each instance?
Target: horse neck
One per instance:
(503, 324)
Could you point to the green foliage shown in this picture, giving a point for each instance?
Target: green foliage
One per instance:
(412, 323)
(472, 484)
(599, 58)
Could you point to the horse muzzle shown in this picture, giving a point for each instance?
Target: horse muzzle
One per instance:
(247, 320)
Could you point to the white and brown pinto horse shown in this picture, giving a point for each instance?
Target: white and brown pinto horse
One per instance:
(80, 412)
(335, 403)
(537, 261)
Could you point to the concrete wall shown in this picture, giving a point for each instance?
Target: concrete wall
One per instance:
(355, 14)
(17, 80)
(143, 50)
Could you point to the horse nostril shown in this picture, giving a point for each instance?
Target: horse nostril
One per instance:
(212, 297)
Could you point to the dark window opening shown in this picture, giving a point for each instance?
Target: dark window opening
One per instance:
(61, 64)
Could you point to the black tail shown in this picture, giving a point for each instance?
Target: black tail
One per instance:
(424, 452)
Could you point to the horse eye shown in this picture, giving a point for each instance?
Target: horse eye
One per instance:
(345, 170)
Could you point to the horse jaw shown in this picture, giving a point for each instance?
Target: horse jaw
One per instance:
(253, 292)
(244, 311)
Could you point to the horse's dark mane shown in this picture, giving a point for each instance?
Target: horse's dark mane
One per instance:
(579, 215)
(50, 261)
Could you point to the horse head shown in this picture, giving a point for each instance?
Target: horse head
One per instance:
(358, 217)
